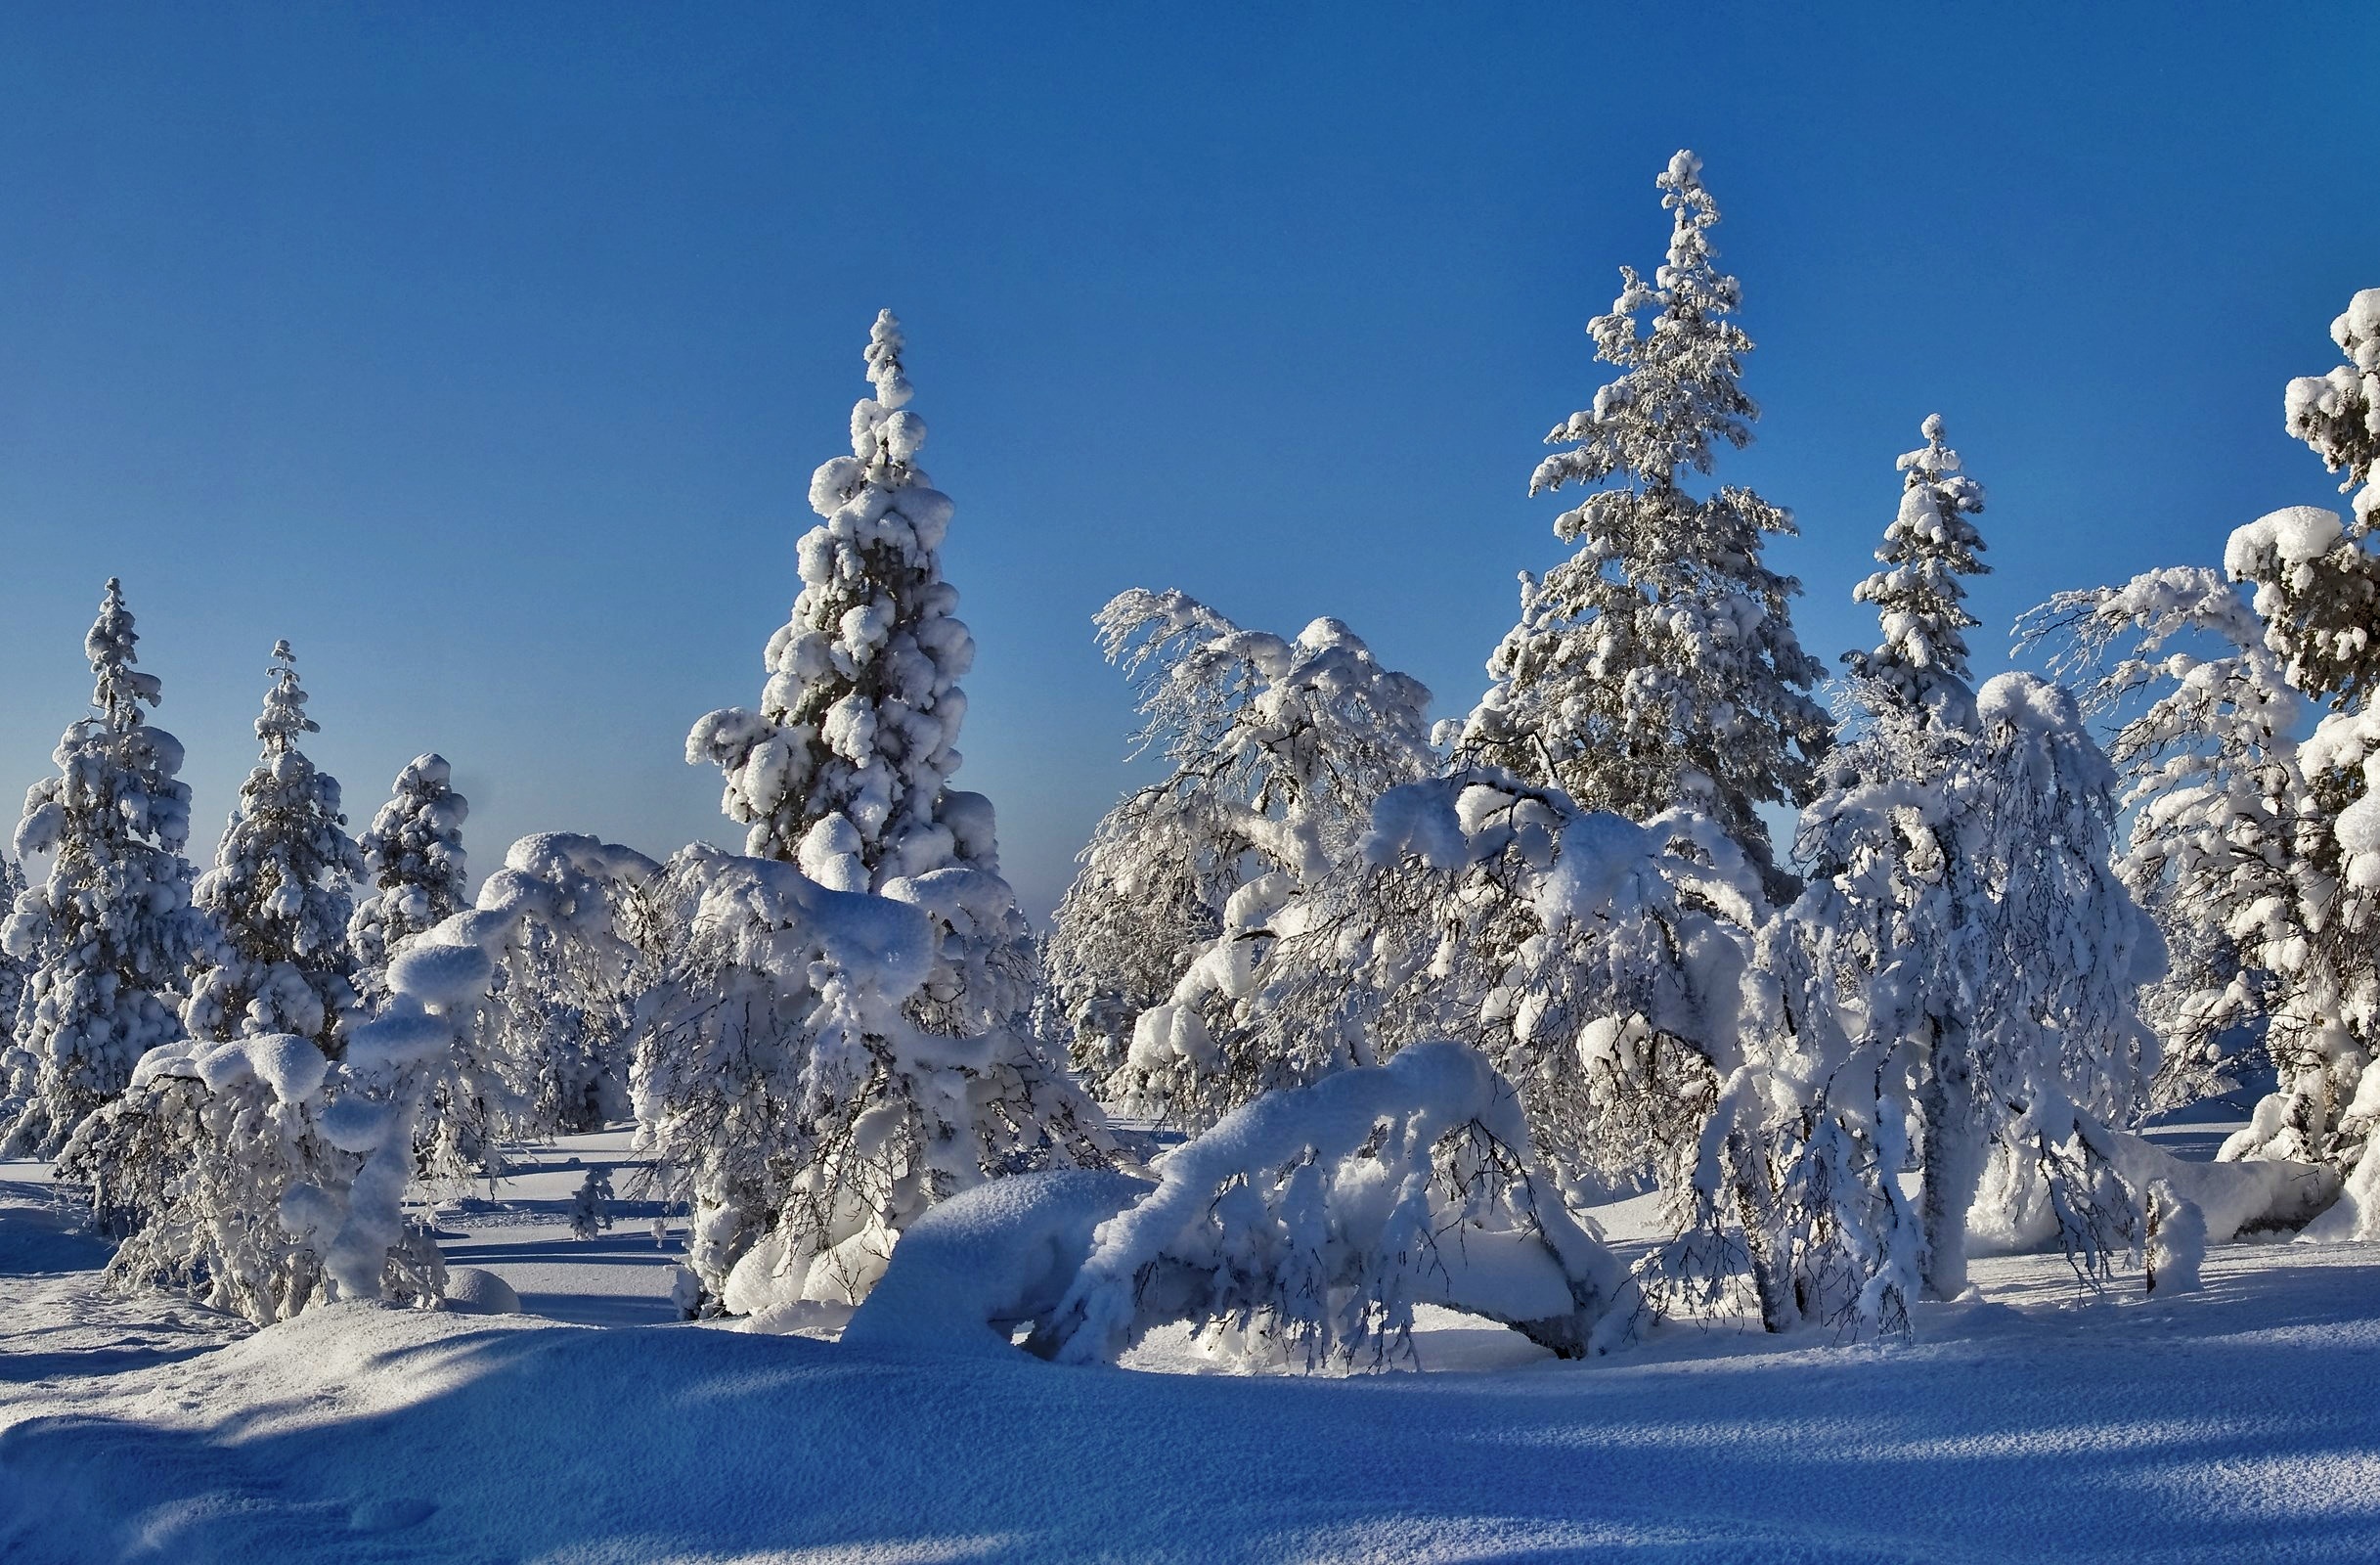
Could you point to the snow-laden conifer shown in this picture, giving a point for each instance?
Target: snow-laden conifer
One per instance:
(1920, 600)
(11, 968)
(2338, 414)
(845, 768)
(1657, 666)
(109, 937)
(280, 891)
(413, 855)
(1278, 748)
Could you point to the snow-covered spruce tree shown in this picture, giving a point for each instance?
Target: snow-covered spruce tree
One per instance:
(1657, 666)
(1923, 658)
(413, 855)
(2222, 830)
(845, 769)
(109, 937)
(785, 1091)
(1278, 749)
(12, 970)
(2318, 588)
(2265, 848)
(280, 893)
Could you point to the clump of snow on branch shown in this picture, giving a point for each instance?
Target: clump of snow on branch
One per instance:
(107, 938)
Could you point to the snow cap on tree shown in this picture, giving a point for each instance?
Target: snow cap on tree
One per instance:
(106, 937)
(1657, 665)
(279, 890)
(1929, 546)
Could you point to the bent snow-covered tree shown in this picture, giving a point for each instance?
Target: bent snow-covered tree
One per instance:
(413, 855)
(1657, 666)
(1920, 600)
(108, 938)
(280, 892)
(1278, 748)
(261, 1177)
(845, 768)
(1302, 1232)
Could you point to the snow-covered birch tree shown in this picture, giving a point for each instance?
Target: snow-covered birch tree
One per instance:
(2221, 827)
(1278, 748)
(1981, 950)
(109, 937)
(845, 768)
(1657, 666)
(280, 892)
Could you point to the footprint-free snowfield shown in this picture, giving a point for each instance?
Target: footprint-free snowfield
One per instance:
(2037, 1423)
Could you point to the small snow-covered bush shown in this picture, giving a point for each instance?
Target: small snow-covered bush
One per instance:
(217, 1169)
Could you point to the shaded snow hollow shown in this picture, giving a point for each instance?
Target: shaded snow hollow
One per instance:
(2043, 1423)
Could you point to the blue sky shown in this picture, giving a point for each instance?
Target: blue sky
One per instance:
(485, 352)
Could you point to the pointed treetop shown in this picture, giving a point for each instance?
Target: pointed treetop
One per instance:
(283, 717)
(884, 344)
(121, 688)
(1920, 600)
(885, 437)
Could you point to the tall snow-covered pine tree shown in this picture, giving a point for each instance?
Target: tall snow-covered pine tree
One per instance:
(109, 937)
(280, 892)
(845, 769)
(1657, 665)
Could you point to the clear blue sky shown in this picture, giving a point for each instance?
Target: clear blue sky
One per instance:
(485, 351)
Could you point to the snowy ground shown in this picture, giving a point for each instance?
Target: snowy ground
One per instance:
(2243, 1422)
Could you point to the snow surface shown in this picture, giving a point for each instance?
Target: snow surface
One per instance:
(2036, 1423)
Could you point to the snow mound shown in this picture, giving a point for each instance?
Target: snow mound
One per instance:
(1000, 1256)
(474, 1291)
